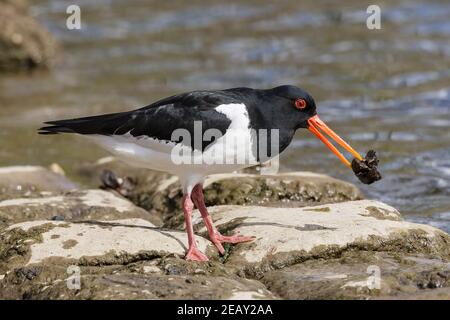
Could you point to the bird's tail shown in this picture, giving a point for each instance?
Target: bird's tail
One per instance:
(106, 124)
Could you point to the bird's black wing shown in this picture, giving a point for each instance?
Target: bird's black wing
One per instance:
(158, 120)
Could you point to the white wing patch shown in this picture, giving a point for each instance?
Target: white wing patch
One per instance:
(237, 113)
(236, 146)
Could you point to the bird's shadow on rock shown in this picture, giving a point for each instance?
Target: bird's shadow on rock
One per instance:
(163, 231)
(240, 222)
(306, 227)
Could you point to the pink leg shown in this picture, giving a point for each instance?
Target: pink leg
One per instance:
(214, 234)
(193, 253)
(197, 197)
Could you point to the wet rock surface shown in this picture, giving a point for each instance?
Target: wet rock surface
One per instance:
(136, 286)
(149, 277)
(362, 275)
(24, 43)
(311, 242)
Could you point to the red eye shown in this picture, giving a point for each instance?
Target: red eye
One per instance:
(300, 104)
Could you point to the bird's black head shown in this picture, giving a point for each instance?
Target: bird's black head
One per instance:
(299, 104)
(299, 109)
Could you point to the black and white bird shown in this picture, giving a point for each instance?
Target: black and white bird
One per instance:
(198, 133)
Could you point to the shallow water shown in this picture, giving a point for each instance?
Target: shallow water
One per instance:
(384, 89)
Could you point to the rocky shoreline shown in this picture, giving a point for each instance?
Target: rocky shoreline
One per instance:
(315, 238)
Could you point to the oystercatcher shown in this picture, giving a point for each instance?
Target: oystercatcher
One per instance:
(189, 135)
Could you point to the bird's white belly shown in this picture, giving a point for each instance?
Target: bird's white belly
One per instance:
(132, 152)
(158, 155)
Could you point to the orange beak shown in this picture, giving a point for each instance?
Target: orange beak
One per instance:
(315, 124)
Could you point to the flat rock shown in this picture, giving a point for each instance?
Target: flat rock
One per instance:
(25, 43)
(286, 236)
(94, 242)
(122, 259)
(29, 181)
(72, 206)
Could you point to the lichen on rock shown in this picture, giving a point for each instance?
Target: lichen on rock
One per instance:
(101, 240)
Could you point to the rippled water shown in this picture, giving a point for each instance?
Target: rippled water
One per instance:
(385, 89)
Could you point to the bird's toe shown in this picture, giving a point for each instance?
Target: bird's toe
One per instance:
(195, 255)
(235, 239)
(218, 244)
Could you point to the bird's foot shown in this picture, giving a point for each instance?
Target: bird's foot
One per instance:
(214, 239)
(234, 239)
(217, 239)
(194, 254)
